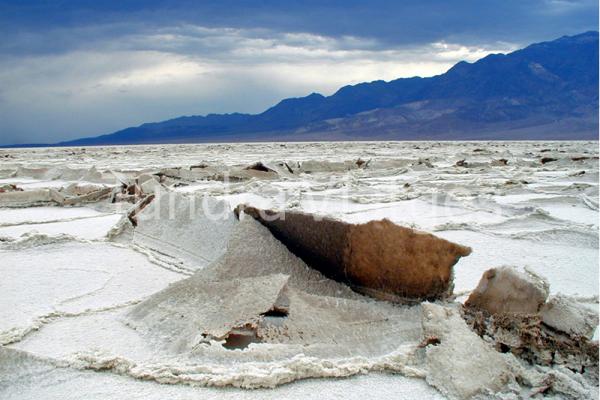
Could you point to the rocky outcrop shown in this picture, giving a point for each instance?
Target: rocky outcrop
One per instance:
(509, 309)
(379, 258)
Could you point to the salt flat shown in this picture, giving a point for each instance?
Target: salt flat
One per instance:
(72, 273)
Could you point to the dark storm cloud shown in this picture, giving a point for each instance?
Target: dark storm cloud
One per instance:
(389, 22)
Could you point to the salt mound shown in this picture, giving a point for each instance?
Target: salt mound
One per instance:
(258, 292)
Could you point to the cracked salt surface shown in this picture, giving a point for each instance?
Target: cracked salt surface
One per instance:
(47, 282)
(68, 288)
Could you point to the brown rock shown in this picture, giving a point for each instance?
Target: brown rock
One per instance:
(507, 290)
(379, 258)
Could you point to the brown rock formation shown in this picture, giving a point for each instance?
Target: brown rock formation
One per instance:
(379, 258)
(507, 290)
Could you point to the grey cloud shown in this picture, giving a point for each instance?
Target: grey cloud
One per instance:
(70, 69)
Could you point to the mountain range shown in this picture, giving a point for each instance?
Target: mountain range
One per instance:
(547, 90)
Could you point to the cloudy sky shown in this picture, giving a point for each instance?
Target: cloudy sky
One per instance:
(82, 68)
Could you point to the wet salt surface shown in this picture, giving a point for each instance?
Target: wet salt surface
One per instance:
(61, 295)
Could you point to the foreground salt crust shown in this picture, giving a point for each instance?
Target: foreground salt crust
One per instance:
(516, 212)
(280, 311)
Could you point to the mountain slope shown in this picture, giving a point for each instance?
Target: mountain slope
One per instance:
(546, 90)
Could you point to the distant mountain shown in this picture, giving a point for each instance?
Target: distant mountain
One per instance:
(548, 90)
